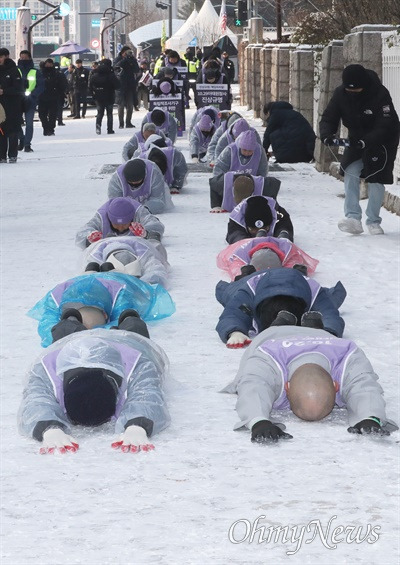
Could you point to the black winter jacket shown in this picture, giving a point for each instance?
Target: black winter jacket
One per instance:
(291, 136)
(369, 116)
(102, 84)
(12, 97)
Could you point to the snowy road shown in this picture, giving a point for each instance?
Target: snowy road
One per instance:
(177, 504)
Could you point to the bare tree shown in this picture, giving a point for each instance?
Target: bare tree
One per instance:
(142, 12)
(319, 21)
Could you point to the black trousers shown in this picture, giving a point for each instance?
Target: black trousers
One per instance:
(47, 110)
(8, 142)
(127, 100)
(68, 327)
(80, 98)
(101, 108)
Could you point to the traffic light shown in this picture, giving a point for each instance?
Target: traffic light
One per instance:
(33, 17)
(57, 15)
(241, 14)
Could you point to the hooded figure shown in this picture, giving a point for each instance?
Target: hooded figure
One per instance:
(259, 216)
(165, 122)
(120, 216)
(289, 133)
(88, 378)
(141, 180)
(169, 159)
(227, 120)
(200, 137)
(244, 155)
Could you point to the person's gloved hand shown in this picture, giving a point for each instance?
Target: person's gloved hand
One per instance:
(94, 236)
(195, 159)
(262, 233)
(237, 340)
(133, 439)
(330, 140)
(368, 426)
(56, 439)
(217, 210)
(266, 432)
(137, 229)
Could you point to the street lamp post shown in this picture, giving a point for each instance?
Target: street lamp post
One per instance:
(164, 6)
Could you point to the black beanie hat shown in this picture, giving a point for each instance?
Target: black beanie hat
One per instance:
(90, 396)
(135, 170)
(158, 117)
(159, 158)
(355, 76)
(258, 213)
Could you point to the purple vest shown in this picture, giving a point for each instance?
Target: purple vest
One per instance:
(113, 287)
(237, 214)
(106, 226)
(314, 286)
(251, 167)
(282, 351)
(228, 202)
(107, 246)
(204, 140)
(165, 127)
(129, 356)
(142, 193)
(139, 137)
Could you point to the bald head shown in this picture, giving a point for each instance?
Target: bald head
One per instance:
(311, 392)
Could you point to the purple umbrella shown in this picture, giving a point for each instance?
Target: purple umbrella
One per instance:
(70, 48)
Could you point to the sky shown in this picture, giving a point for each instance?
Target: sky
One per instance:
(200, 496)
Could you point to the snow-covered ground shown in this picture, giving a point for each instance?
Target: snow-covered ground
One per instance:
(176, 505)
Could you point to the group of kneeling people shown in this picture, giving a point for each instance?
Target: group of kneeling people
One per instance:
(100, 363)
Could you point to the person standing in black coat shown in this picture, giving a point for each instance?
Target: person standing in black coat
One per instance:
(228, 67)
(102, 84)
(127, 70)
(80, 79)
(366, 109)
(291, 136)
(11, 93)
(54, 89)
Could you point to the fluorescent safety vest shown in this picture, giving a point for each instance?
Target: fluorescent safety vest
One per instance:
(31, 78)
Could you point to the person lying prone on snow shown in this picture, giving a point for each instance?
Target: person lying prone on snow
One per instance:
(97, 300)
(90, 378)
(309, 372)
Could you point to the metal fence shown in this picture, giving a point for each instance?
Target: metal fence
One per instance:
(391, 78)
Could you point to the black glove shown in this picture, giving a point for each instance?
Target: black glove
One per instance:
(370, 425)
(330, 140)
(265, 432)
(262, 233)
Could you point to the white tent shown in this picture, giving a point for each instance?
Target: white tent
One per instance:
(204, 30)
(152, 31)
(174, 41)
